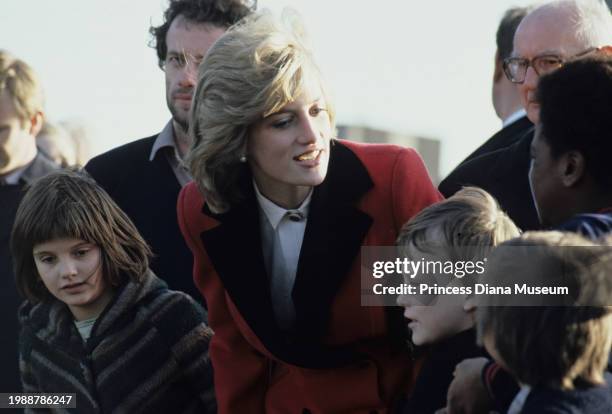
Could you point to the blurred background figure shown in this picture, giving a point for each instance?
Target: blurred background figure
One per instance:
(79, 133)
(21, 118)
(506, 102)
(56, 144)
(64, 143)
(505, 95)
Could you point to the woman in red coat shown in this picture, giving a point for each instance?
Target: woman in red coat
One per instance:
(276, 218)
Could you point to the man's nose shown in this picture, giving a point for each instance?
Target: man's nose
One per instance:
(531, 78)
(189, 74)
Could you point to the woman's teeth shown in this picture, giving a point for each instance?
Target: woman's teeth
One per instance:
(308, 156)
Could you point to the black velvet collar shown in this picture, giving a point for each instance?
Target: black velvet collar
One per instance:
(332, 240)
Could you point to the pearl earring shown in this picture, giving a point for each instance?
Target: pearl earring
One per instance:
(243, 158)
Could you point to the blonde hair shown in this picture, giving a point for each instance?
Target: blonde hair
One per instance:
(253, 70)
(465, 226)
(560, 346)
(19, 80)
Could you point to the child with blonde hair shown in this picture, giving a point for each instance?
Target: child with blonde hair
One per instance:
(463, 228)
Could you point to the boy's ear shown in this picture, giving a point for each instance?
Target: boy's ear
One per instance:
(36, 123)
(572, 167)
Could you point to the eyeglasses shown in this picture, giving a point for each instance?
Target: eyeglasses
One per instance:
(515, 68)
(176, 61)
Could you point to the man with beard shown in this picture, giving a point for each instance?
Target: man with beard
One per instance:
(21, 117)
(144, 177)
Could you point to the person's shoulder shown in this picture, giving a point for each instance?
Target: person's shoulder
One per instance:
(171, 305)
(485, 169)
(175, 314)
(519, 148)
(191, 191)
(39, 167)
(382, 157)
(135, 150)
(110, 168)
(592, 400)
(190, 200)
(589, 225)
(375, 149)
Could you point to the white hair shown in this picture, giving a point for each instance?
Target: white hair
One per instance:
(591, 20)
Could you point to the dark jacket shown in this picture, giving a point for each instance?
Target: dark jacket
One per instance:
(148, 352)
(505, 174)
(503, 138)
(588, 400)
(10, 197)
(436, 374)
(147, 191)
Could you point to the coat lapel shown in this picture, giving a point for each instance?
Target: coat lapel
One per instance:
(234, 248)
(332, 241)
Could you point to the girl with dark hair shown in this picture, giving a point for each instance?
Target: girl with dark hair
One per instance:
(97, 322)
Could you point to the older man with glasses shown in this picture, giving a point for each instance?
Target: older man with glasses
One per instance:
(547, 38)
(505, 98)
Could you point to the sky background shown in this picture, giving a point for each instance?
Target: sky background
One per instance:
(413, 67)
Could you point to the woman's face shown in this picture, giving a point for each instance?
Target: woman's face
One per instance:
(288, 151)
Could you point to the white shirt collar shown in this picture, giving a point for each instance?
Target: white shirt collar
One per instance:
(165, 139)
(515, 116)
(275, 213)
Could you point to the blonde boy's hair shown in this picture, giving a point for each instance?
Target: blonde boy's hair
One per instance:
(466, 226)
(557, 346)
(23, 87)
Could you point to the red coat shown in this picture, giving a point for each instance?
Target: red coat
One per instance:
(343, 357)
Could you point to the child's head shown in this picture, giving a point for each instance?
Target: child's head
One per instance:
(558, 346)
(465, 228)
(571, 171)
(69, 233)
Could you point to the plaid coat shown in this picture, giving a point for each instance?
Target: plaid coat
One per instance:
(148, 352)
